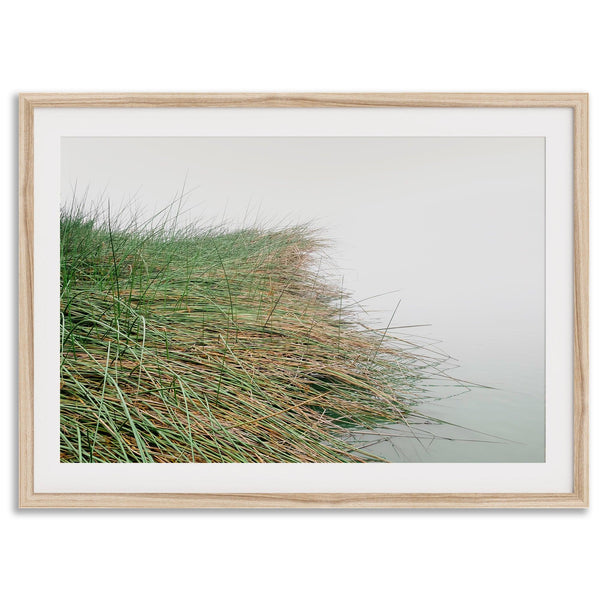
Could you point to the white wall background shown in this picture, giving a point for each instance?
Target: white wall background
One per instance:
(464, 45)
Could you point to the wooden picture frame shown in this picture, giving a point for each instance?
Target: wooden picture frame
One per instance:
(30, 103)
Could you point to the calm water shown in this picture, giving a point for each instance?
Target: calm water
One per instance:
(502, 424)
(495, 426)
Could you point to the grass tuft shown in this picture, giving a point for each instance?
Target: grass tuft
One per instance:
(208, 345)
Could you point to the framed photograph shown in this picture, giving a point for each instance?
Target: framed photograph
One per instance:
(303, 300)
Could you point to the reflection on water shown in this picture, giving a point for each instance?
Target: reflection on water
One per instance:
(494, 426)
(503, 423)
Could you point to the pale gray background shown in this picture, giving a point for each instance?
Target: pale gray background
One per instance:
(455, 224)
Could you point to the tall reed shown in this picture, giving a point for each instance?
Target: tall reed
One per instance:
(207, 345)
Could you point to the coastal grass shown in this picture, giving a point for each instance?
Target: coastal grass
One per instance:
(192, 344)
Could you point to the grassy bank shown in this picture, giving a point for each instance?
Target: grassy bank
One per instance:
(207, 345)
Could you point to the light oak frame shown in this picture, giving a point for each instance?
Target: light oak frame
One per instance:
(578, 498)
